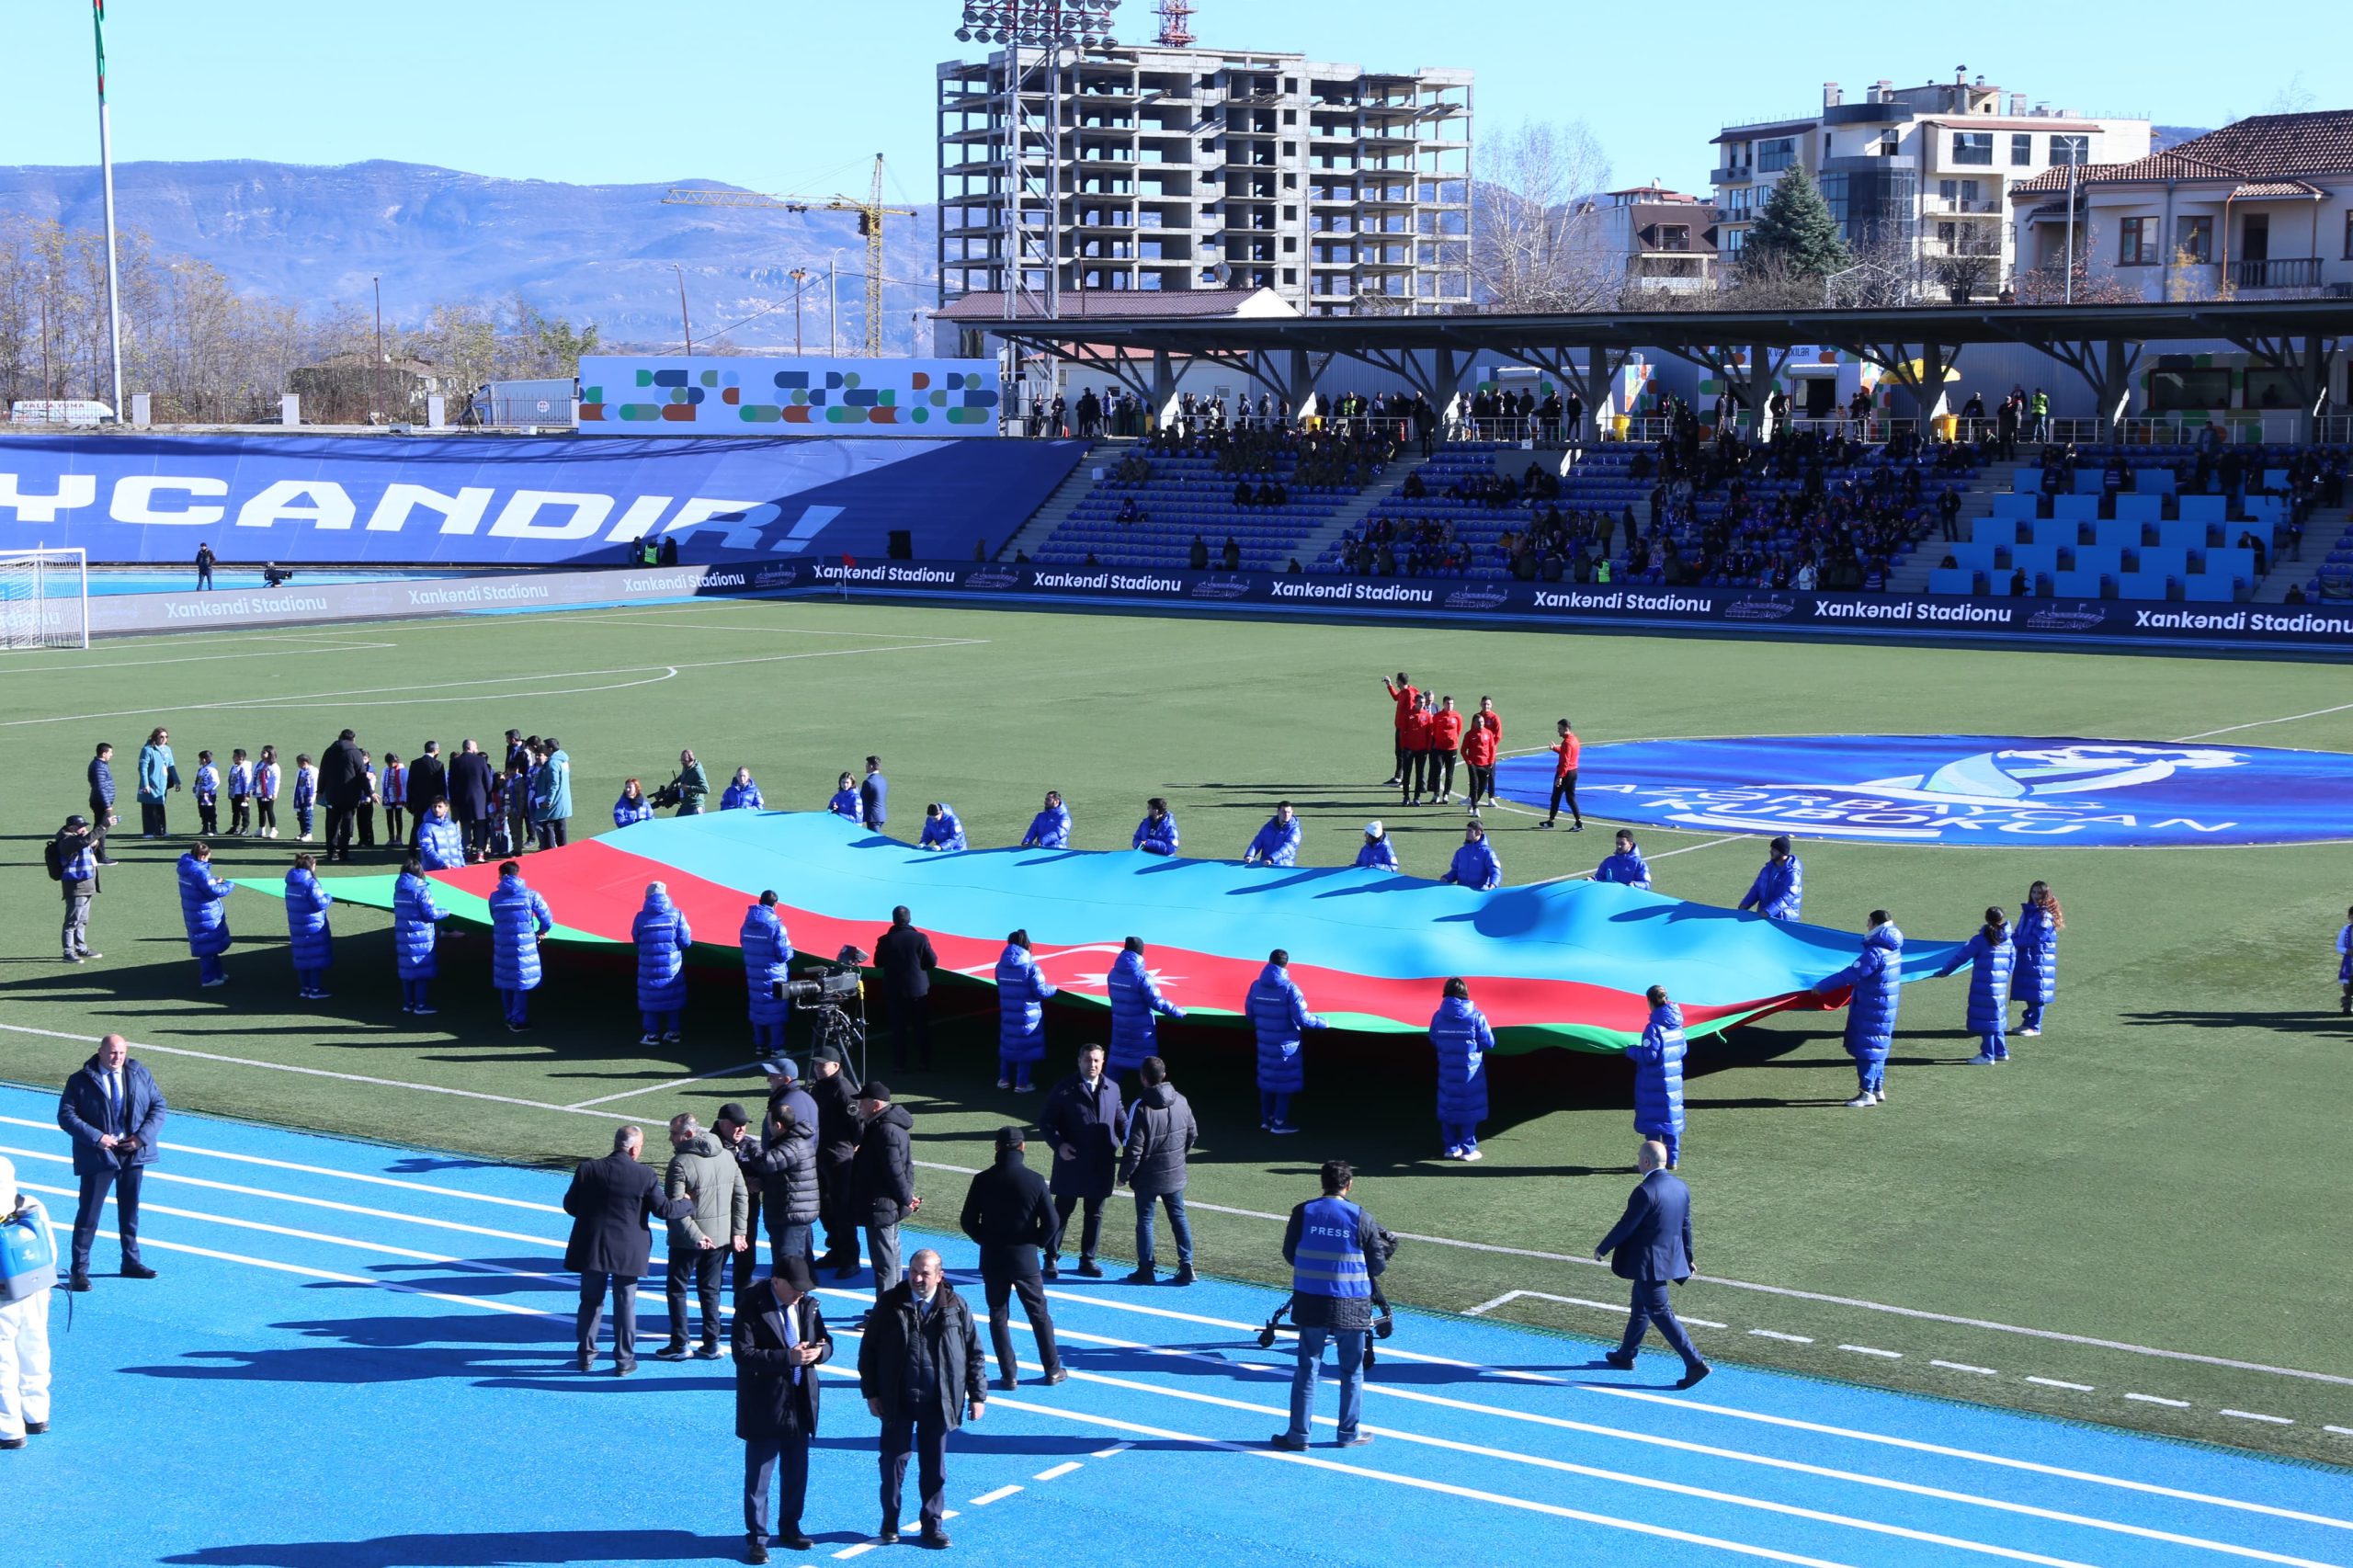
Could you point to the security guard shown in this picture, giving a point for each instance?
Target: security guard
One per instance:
(1334, 1248)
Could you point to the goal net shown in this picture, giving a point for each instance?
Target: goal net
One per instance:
(44, 599)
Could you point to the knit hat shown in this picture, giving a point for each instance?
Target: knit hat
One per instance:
(1372, 829)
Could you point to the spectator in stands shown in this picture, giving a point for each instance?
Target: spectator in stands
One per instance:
(1231, 561)
(1276, 843)
(1199, 558)
(1156, 834)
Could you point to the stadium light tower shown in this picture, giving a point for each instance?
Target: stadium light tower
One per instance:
(1048, 26)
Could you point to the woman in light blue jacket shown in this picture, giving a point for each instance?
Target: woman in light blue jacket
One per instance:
(158, 777)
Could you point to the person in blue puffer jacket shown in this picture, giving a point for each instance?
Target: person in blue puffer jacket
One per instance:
(1157, 834)
(662, 937)
(941, 830)
(1021, 993)
(1474, 864)
(845, 802)
(1137, 1006)
(767, 950)
(518, 918)
(632, 807)
(1779, 886)
(1989, 955)
(416, 922)
(1459, 1033)
(1876, 977)
(2035, 981)
(1376, 853)
(308, 940)
(1277, 844)
(1658, 1074)
(1277, 1011)
(742, 793)
(201, 893)
(1626, 866)
(440, 842)
(1050, 829)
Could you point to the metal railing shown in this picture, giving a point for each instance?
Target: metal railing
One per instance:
(2287, 272)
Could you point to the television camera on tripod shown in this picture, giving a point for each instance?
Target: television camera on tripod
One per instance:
(833, 997)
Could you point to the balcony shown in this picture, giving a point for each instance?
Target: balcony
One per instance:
(2288, 272)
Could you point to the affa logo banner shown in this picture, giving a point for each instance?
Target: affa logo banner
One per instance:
(1962, 789)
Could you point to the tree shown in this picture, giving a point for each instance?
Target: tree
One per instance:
(1796, 233)
(1971, 266)
(1536, 230)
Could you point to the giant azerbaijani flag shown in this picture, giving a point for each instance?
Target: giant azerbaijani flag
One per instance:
(1557, 963)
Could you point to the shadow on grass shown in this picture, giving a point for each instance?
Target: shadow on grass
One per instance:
(2301, 1022)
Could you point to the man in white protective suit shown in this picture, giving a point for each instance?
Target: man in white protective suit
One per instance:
(27, 1271)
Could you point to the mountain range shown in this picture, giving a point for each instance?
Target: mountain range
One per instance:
(584, 252)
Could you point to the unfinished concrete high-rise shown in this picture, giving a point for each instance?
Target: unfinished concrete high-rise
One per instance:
(1144, 168)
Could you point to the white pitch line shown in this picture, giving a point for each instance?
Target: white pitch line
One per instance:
(1492, 1247)
(2154, 1398)
(657, 1088)
(1965, 1367)
(1123, 1447)
(1058, 1471)
(2057, 1384)
(1777, 1334)
(2340, 1431)
(1867, 1350)
(2253, 1416)
(2259, 724)
(209, 658)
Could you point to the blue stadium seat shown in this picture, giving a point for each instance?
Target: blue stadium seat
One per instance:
(2140, 508)
(2202, 508)
(1995, 531)
(1951, 580)
(2152, 481)
(2079, 507)
(2016, 504)
(2124, 533)
(2201, 588)
(2075, 585)
(2150, 586)
(2026, 481)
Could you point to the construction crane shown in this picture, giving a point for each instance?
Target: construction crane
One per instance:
(870, 213)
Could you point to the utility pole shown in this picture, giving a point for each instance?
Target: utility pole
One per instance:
(833, 304)
(106, 168)
(798, 275)
(2071, 221)
(685, 326)
(376, 380)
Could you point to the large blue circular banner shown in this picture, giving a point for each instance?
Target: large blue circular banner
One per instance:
(1960, 789)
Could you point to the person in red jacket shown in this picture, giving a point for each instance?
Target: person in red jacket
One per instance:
(1417, 774)
(1481, 744)
(1564, 780)
(1446, 744)
(1407, 699)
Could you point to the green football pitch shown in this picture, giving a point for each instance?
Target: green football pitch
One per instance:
(2144, 1220)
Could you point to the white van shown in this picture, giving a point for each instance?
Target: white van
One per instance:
(59, 410)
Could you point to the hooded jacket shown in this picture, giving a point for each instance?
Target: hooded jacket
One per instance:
(1474, 866)
(1876, 976)
(2036, 978)
(1156, 837)
(768, 952)
(518, 918)
(1629, 869)
(1050, 829)
(416, 919)
(1277, 844)
(943, 832)
(307, 936)
(1378, 855)
(740, 796)
(440, 843)
(1136, 1007)
(662, 937)
(1658, 1073)
(551, 788)
(1989, 979)
(628, 812)
(1278, 1010)
(201, 907)
(1161, 1135)
(1459, 1033)
(1021, 993)
(1778, 890)
(722, 1204)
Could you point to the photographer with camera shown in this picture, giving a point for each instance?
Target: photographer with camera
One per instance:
(684, 795)
(73, 861)
(114, 1114)
(1336, 1249)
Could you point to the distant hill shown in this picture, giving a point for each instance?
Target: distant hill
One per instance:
(600, 253)
(2164, 136)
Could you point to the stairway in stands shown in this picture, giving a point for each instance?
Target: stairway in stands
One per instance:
(1910, 575)
(1056, 507)
(2329, 528)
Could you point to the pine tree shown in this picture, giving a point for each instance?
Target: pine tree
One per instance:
(1796, 233)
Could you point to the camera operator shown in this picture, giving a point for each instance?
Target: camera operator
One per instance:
(840, 1121)
(689, 791)
(73, 857)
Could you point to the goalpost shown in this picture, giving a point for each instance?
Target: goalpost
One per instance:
(44, 599)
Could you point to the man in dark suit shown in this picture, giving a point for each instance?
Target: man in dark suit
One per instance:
(904, 955)
(1085, 1124)
(470, 781)
(343, 787)
(1651, 1245)
(780, 1340)
(1008, 1212)
(428, 780)
(114, 1113)
(610, 1201)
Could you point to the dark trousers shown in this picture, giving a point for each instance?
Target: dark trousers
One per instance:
(1001, 1286)
(474, 833)
(1398, 777)
(591, 1316)
(1090, 1229)
(786, 1240)
(703, 1268)
(925, 1436)
(1565, 787)
(125, 1182)
(1440, 774)
(1651, 1307)
(551, 831)
(833, 1209)
(151, 818)
(910, 1032)
(741, 1271)
(341, 819)
(1418, 767)
(366, 817)
(394, 832)
(765, 1457)
(1483, 782)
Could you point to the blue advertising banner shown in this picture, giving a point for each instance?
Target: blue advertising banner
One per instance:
(1967, 789)
(480, 500)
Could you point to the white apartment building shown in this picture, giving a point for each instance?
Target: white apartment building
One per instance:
(1652, 238)
(2260, 209)
(1144, 168)
(1923, 172)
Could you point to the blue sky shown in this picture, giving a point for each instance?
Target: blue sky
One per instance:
(793, 94)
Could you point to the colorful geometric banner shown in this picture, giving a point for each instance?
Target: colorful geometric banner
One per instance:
(1559, 964)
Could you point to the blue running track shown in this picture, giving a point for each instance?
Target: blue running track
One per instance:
(359, 1356)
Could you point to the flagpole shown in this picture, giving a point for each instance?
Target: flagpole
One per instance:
(105, 171)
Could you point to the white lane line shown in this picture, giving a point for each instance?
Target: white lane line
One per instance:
(684, 624)
(1688, 849)
(1867, 1350)
(999, 1495)
(2251, 1415)
(1965, 1367)
(1123, 1447)
(1587, 1261)
(2056, 1383)
(861, 1550)
(1230, 1364)
(2256, 724)
(1615, 1307)
(486, 1304)
(657, 1088)
(1058, 1471)
(2170, 1405)
(1777, 1334)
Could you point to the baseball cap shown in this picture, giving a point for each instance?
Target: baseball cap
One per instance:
(77, 819)
(733, 1111)
(1010, 1138)
(1372, 829)
(784, 1067)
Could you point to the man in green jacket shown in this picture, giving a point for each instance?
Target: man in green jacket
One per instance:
(692, 784)
(700, 1242)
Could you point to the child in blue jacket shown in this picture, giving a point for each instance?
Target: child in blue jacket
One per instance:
(308, 940)
(845, 802)
(208, 795)
(1376, 853)
(240, 792)
(941, 829)
(306, 794)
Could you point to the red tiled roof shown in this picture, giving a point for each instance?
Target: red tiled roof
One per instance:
(2267, 152)
(2256, 189)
